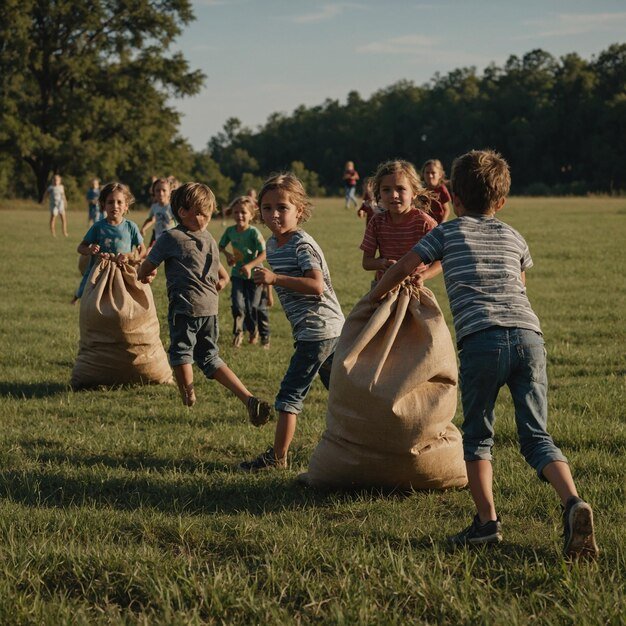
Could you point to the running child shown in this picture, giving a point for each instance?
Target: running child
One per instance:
(500, 342)
(93, 208)
(249, 305)
(57, 203)
(194, 277)
(368, 203)
(400, 224)
(115, 235)
(160, 215)
(350, 179)
(434, 176)
(302, 281)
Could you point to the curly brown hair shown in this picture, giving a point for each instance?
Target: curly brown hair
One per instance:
(292, 185)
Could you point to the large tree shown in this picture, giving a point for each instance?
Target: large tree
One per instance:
(84, 84)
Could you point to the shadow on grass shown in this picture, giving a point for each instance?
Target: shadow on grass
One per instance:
(31, 390)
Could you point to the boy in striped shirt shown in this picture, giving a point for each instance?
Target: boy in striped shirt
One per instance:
(500, 342)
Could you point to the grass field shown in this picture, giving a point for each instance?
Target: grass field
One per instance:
(123, 507)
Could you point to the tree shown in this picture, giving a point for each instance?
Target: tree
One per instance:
(84, 84)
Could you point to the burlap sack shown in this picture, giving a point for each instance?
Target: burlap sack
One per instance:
(83, 263)
(119, 331)
(393, 394)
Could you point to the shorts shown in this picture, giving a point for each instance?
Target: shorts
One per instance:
(57, 209)
(194, 339)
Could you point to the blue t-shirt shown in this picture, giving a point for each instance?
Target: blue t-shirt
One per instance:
(482, 260)
(92, 197)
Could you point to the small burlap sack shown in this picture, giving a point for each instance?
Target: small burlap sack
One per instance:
(119, 331)
(393, 394)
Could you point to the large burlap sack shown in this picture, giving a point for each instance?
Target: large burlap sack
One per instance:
(83, 263)
(119, 331)
(392, 396)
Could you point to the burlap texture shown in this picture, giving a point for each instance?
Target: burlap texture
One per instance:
(119, 331)
(393, 394)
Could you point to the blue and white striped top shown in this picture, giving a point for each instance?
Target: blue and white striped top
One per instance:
(312, 318)
(482, 260)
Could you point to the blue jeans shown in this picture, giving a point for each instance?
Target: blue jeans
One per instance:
(194, 339)
(350, 196)
(491, 358)
(309, 359)
(249, 308)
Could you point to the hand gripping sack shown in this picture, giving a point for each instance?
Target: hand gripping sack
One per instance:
(120, 341)
(392, 397)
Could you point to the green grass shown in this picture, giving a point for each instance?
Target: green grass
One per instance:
(121, 506)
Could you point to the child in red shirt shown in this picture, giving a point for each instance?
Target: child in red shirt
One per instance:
(434, 177)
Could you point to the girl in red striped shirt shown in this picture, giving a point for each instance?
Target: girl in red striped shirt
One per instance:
(403, 221)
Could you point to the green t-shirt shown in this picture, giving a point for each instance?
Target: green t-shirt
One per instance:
(246, 245)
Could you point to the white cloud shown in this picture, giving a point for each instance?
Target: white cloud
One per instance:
(406, 44)
(567, 24)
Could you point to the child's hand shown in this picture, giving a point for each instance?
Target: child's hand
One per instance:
(121, 259)
(230, 259)
(148, 278)
(220, 284)
(385, 264)
(246, 271)
(263, 276)
(94, 248)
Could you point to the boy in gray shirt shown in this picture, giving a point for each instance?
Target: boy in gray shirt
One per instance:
(500, 342)
(194, 276)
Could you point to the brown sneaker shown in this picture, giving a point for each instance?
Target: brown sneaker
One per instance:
(259, 411)
(579, 540)
(267, 460)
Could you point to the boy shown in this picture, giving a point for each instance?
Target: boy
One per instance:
(499, 341)
(194, 276)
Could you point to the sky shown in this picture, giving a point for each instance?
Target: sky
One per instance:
(267, 56)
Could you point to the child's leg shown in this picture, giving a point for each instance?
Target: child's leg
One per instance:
(52, 224)
(480, 479)
(226, 377)
(237, 309)
(559, 475)
(184, 377)
(250, 321)
(285, 430)
(63, 223)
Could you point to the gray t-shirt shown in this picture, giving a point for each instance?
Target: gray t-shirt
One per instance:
(191, 268)
(312, 318)
(482, 260)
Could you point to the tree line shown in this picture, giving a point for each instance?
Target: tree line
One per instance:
(85, 87)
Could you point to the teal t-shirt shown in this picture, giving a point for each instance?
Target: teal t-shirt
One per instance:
(246, 245)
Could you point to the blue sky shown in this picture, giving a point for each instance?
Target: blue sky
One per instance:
(263, 56)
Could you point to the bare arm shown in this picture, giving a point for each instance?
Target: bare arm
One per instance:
(149, 221)
(87, 249)
(147, 272)
(447, 207)
(395, 275)
(376, 263)
(246, 270)
(222, 277)
(431, 271)
(524, 279)
(312, 283)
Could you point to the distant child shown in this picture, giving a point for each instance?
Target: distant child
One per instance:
(300, 275)
(57, 203)
(368, 203)
(350, 179)
(114, 235)
(194, 277)
(93, 208)
(249, 306)
(400, 224)
(500, 342)
(160, 215)
(434, 177)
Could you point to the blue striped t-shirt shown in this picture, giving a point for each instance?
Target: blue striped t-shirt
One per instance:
(482, 260)
(312, 318)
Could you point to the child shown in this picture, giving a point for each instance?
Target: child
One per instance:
(93, 208)
(114, 235)
(194, 276)
(400, 225)
(368, 204)
(248, 305)
(300, 275)
(500, 342)
(434, 177)
(160, 212)
(58, 204)
(350, 178)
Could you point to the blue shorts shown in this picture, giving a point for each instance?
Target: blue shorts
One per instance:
(515, 357)
(309, 359)
(195, 339)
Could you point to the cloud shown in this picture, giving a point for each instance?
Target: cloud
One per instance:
(407, 44)
(567, 24)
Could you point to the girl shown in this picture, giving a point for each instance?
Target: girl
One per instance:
(368, 206)
(249, 304)
(350, 178)
(112, 236)
(58, 204)
(434, 177)
(400, 225)
(160, 212)
(302, 281)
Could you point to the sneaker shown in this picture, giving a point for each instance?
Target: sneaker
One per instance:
(267, 460)
(237, 340)
(254, 338)
(478, 534)
(578, 535)
(259, 411)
